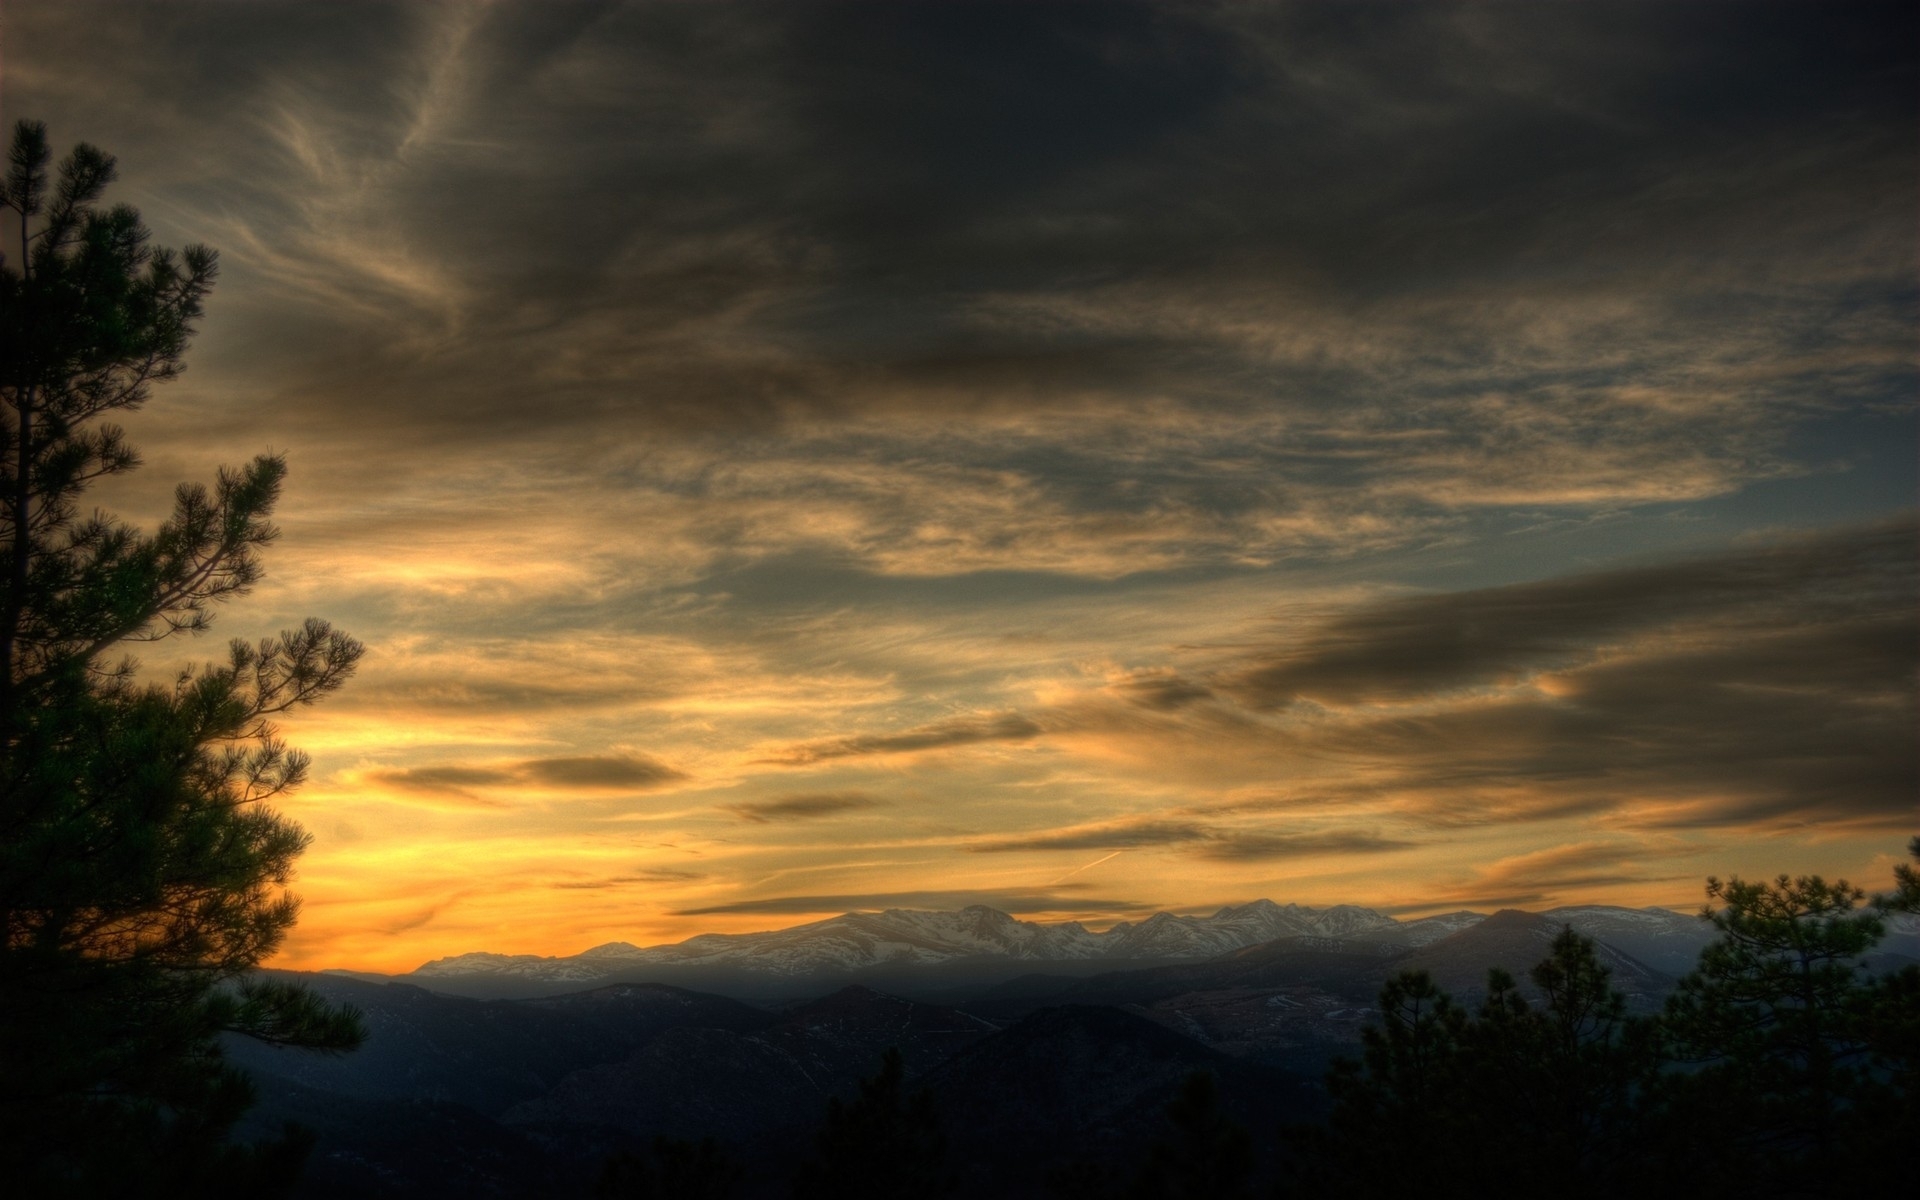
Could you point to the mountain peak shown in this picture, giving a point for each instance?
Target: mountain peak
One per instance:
(1515, 917)
(1252, 908)
(898, 937)
(611, 950)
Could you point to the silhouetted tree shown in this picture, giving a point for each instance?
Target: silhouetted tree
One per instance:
(1897, 1019)
(884, 1145)
(1086, 1179)
(1392, 1109)
(671, 1169)
(1891, 1108)
(1544, 1092)
(1905, 896)
(1208, 1155)
(1781, 1022)
(141, 876)
(1780, 1067)
(1561, 1080)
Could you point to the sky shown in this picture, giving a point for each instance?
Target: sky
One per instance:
(1087, 459)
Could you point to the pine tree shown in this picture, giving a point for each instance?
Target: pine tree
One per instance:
(670, 1169)
(141, 873)
(1905, 896)
(1554, 1088)
(1780, 1022)
(1208, 1156)
(1546, 1092)
(1894, 1027)
(884, 1145)
(1396, 1110)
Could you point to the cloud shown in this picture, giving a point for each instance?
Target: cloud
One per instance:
(620, 772)
(1222, 843)
(1766, 688)
(1063, 900)
(1430, 645)
(1776, 731)
(904, 367)
(600, 771)
(1162, 690)
(442, 778)
(1549, 875)
(1126, 834)
(653, 876)
(961, 731)
(1769, 687)
(806, 806)
(421, 916)
(443, 786)
(1132, 288)
(1240, 845)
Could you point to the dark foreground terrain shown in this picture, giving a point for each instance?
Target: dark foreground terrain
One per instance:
(1034, 1079)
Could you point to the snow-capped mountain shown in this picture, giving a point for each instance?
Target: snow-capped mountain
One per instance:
(515, 966)
(1422, 931)
(853, 941)
(1164, 935)
(1667, 940)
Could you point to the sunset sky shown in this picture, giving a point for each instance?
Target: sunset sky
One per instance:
(1080, 458)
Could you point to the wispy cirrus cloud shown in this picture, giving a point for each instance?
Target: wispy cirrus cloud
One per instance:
(1065, 899)
(1765, 688)
(1538, 876)
(621, 772)
(647, 878)
(600, 771)
(940, 735)
(1429, 645)
(803, 807)
(1208, 840)
(443, 778)
(1349, 370)
(1071, 419)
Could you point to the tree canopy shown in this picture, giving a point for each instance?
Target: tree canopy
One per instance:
(1793, 1074)
(142, 874)
(882, 1145)
(1784, 1064)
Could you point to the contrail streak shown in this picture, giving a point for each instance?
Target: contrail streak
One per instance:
(1096, 862)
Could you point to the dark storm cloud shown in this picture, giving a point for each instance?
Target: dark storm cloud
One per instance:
(962, 731)
(803, 807)
(1370, 152)
(883, 388)
(1006, 900)
(717, 217)
(950, 119)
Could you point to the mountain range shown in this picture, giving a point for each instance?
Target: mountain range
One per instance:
(1042, 1046)
(977, 942)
